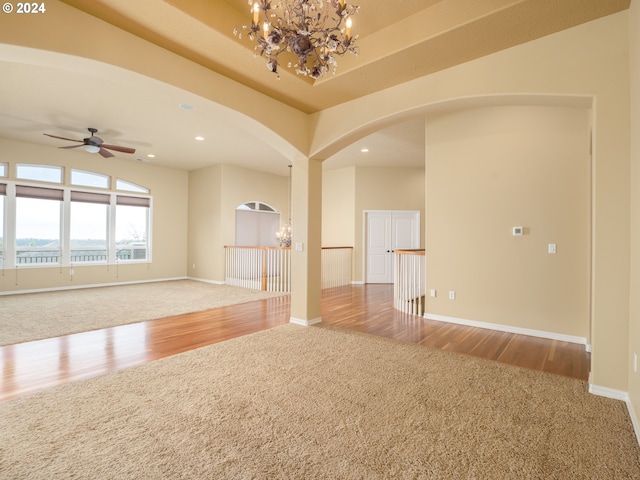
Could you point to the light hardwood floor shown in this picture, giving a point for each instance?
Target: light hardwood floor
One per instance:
(35, 366)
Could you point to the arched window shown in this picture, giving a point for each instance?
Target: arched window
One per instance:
(82, 178)
(256, 225)
(261, 206)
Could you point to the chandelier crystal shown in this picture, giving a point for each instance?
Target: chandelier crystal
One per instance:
(315, 31)
(284, 236)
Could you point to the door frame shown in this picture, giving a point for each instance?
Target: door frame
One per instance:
(365, 247)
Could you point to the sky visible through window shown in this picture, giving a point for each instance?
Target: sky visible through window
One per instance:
(131, 223)
(88, 223)
(36, 218)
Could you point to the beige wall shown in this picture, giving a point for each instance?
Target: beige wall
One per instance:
(590, 60)
(205, 237)
(214, 194)
(489, 170)
(348, 192)
(194, 217)
(169, 224)
(241, 185)
(385, 188)
(634, 330)
(338, 207)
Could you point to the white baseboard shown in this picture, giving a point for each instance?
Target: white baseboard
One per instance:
(94, 285)
(608, 392)
(618, 395)
(204, 280)
(634, 420)
(509, 329)
(357, 282)
(305, 323)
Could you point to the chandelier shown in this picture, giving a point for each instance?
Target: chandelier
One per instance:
(284, 236)
(315, 31)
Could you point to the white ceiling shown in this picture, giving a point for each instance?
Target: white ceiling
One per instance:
(43, 92)
(146, 114)
(141, 113)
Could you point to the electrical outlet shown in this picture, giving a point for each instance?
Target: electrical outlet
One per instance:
(71, 271)
(433, 293)
(452, 295)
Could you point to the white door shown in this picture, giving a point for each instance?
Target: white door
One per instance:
(385, 232)
(378, 229)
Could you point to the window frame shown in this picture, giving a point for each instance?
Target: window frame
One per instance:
(43, 193)
(106, 178)
(256, 206)
(94, 198)
(60, 169)
(9, 235)
(129, 200)
(121, 186)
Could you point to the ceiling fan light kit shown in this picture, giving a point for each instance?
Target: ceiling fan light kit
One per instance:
(94, 144)
(315, 31)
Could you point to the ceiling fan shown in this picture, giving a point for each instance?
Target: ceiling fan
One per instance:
(94, 144)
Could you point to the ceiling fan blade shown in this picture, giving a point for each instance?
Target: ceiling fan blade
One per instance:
(119, 149)
(63, 138)
(73, 146)
(105, 153)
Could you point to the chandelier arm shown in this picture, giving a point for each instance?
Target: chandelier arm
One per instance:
(312, 30)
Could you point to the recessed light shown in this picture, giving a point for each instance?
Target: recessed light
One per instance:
(186, 106)
(200, 139)
(364, 150)
(151, 155)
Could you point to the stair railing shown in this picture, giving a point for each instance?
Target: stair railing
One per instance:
(409, 285)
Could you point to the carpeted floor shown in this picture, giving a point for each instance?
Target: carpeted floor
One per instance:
(318, 403)
(34, 316)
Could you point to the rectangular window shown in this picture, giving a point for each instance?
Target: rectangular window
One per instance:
(132, 228)
(44, 226)
(88, 237)
(38, 217)
(3, 170)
